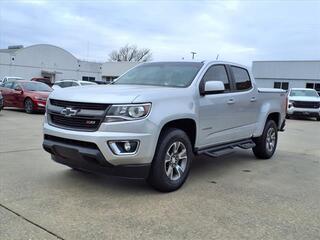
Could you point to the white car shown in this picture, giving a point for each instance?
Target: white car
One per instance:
(71, 83)
(5, 79)
(303, 102)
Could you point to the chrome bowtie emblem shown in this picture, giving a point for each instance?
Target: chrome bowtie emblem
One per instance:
(69, 112)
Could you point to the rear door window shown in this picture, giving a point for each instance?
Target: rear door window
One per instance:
(241, 78)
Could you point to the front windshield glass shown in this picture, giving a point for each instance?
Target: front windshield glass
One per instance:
(36, 86)
(167, 74)
(303, 93)
(88, 83)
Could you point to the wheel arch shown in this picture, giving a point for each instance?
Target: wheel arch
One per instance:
(188, 125)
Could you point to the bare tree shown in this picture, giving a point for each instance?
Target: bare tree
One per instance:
(131, 53)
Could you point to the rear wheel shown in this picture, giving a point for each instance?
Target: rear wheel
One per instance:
(318, 118)
(266, 144)
(172, 160)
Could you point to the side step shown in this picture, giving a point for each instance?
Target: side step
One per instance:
(223, 149)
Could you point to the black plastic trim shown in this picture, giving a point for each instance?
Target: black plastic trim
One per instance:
(75, 155)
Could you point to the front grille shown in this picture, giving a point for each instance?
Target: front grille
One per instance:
(80, 105)
(75, 122)
(301, 104)
(83, 117)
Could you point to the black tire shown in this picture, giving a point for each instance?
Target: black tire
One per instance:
(158, 176)
(288, 116)
(263, 149)
(28, 106)
(318, 118)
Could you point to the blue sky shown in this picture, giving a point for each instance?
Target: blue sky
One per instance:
(241, 31)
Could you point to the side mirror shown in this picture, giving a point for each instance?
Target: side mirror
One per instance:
(212, 87)
(18, 89)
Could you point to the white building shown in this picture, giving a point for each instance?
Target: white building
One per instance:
(112, 70)
(43, 60)
(287, 74)
(55, 63)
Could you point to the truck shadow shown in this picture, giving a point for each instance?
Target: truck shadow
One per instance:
(201, 168)
(203, 165)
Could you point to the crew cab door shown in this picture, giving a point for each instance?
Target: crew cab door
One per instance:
(216, 110)
(230, 115)
(246, 102)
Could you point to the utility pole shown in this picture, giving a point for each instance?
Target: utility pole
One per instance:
(193, 53)
(217, 56)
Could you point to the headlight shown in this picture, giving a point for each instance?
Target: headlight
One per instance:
(40, 98)
(128, 112)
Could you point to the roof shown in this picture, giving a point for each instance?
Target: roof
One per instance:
(304, 70)
(5, 50)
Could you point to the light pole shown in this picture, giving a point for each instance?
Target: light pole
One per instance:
(193, 53)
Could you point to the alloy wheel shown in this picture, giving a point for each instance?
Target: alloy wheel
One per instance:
(176, 160)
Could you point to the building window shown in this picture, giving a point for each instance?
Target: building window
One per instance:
(90, 79)
(281, 85)
(285, 86)
(315, 86)
(277, 85)
(310, 85)
(109, 79)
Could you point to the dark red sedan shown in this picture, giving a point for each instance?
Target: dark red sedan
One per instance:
(28, 95)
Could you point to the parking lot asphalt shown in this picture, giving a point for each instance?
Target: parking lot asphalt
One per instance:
(231, 197)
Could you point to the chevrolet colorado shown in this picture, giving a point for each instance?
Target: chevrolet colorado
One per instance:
(154, 118)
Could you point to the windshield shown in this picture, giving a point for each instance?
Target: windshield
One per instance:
(167, 74)
(15, 79)
(88, 83)
(303, 93)
(36, 86)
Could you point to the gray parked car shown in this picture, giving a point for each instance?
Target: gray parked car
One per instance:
(157, 116)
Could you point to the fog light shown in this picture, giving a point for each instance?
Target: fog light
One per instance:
(127, 146)
(124, 147)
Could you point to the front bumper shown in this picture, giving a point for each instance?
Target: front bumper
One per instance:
(307, 112)
(87, 156)
(144, 131)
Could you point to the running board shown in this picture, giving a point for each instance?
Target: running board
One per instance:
(220, 150)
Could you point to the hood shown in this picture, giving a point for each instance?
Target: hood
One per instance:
(108, 93)
(304, 99)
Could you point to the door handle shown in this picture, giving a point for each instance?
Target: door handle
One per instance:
(231, 101)
(253, 99)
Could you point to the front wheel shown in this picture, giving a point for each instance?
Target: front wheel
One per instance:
(266, 144)
(171, 162)
(318, 118)
(28, 105)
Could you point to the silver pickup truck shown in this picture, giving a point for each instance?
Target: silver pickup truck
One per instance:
(153, 119)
